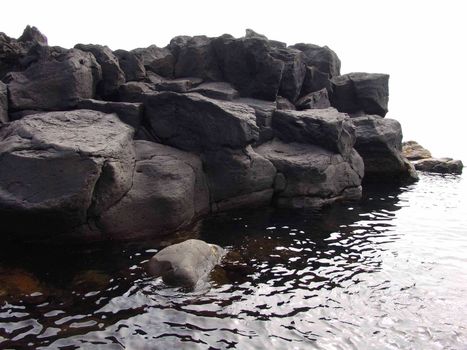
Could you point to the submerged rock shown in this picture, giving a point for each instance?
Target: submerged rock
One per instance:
(413, 151)
(440, 165)
(185, 264)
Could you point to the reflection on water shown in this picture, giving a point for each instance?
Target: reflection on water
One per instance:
(388, 272)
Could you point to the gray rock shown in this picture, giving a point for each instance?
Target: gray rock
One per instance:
(247, 63)
(176, 85)
(324, 127)
(24, 113)
(59, 169)
(217, 90)
(237, 176)
(311, 176)
(322, 58)
(3, 103)
(129, 113)
(284, 104)
(379, 142)
(112, 74)
(440, 165)
(185, 264)
(56, 83)
(32, 34)
(413, 151)
(365, 92)
(134, 91)
(169, 192)
(196, 123)
(315, 80)
(293, 73)
(158, 60)
(131, 65)
(318, 99)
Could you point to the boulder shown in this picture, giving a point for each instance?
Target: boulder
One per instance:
(131, 65)
(238, 178)
(3, 103)
(283, 103)
(321, 57)
(365, 92)
(59, 169)
(195, 57)
(158, 60)
(379, 142)
(413, 151)
(112, 74)
(129, 113)
(176, 85)
(315, 80)
(217, 90)
(440, 165)
(311, 176)
(169, 192)
(55, 83)
(250, 33)
(196, 123)
(247, 63)
(134, 91)
(323, 127)
(293, 73)
(32, 34)
(185, 264)
(318, 99)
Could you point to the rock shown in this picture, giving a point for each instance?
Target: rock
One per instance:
(3, 103)
(318, 99)
(283, 103)
(131, 65)
(440, 165)
(293, 73)
(24, 113)
(379, 142)
(315, 80)
(323, 127)
(217, 90)
(413, 151)
(263, 112)
(238, 177)
(169, 192)
(158, 60)
(134, 91)
(323, 58)
(112, 74)
(365, 92)
(129, 113)
(185, 264)
(311, 176)
(247, 63)
(176, 85)
(196, 123)
(195, 57)
(32, 34)
(85, 160)
(54, 84)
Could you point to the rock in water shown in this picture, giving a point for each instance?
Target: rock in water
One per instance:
(440, 165)
(414, 151)
(186, 263)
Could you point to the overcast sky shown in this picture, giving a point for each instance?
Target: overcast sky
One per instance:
(421, 44)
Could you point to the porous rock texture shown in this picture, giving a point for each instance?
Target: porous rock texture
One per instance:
(121, 144)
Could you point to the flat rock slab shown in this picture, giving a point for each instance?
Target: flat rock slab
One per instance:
(185, 264)
(414, 151)
(217, 90)
(440, 165)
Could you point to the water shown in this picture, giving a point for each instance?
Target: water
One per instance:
(386, 273)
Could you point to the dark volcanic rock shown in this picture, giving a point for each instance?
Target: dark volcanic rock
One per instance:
(54, 84)
(134, 91)
(311, 176)
(315, 80)
(324, 127)
(158, 60)
(247, 63)
(217, 90)
(318, 99)
(365, 92)
(112, 74)
(176, 85)
(379, 142)
(131, 65)
(322, 58)
(440, 165)
(3, 103)
(85, 160)
(185, 264)
(413, 151)
(283, 103)
(237, 177)
(293, 73)
(129, 113)
(196, 123)
(169, 191)
(32, 34)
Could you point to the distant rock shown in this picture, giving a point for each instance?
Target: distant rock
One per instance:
(413, 151)
(185, 264)
(440, 165)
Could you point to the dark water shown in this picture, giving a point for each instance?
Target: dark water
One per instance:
(386, 273)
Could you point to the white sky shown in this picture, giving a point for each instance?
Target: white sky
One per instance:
(421, 44)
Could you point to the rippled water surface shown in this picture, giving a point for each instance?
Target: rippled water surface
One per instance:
(386, 273)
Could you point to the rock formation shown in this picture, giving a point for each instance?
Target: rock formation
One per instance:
(108, 144)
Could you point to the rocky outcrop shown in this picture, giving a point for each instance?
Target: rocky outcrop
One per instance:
(379, 142)
(314, 100)
(217, 90)
(414, 151)
(315, 80)
(323, 58)
(293, 73)
(3, 103)
(158, 60)
(440, 165)
(185, 264)
(131, 65)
